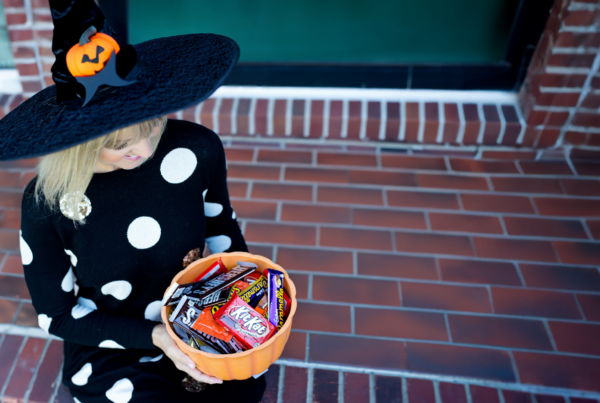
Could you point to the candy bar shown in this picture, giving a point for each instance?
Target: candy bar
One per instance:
(214, 269)
(276, 311)
(204, 289)
(206, 323)
(263, 306)
(247, 325)
(252, 294)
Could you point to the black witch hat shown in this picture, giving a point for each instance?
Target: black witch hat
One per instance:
(102, 86)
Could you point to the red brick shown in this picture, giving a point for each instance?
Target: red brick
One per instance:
(472, 123)
(275, 191)
(492, 124)
(470, 165)
(356, 238)
(413, 162)
(354, 290)
(13, 264)
(316, 175)
(10, 199)
(451, 123)
(354, 119)
(257, 210)
(383, 178)
(279, 111)
(387, 265)
(452, 182)
(577, 187)
(206, 113)
(312, 213)
(14, 3)
(568, 207)
(400, 324)
(285, 157)
(580, 17)
(446, 297)
(298, 106)
(335, 119)
(316, 118)
(295, 347)
(237, 189)
(260, 116)
(578, 252)
(411, 133)
(356, 388)
(420, 390)
(465, 223)
(423, 200)
(564, 99)
(27, 362)
(557, 118)
(513, 396)
(590, 305)
(13, 287)
(225, 116)
(479, 271)
(581, 400)
(373, 120)
(236, 154)
(388, 389)
(323, 318)
(266, 251)
(280, 234)
(561, 277)
(27, 69)
(527, 302)
(11, 220)
(500, 332)
(392, 128)
(8, 353)
(47, 374)
(301, 283)
(324, 158)
(514, 249)
(433, 243)
(295, 385)
(548, 138)
(549, 399)
(586, 119)
(545, 168)
(594, 227)
(248, 171)
(453, 392)
(315, 260)
(9, 240)
(431, 122)
(459, 361)
(389, 218)
(544, 227)
(349, 195)
(272, 378)
(242, 119)
(325, 386)
(579, 338)
(587, 169)
(513, 126)
(566, 371)
(482, 394)
(27, 316)
(383, 354)
(591, 101)
(526, 185)
(571, 60)
(531, 135)
(573, 40)
(8, 309)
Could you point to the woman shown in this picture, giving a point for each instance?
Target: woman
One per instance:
(117, 204)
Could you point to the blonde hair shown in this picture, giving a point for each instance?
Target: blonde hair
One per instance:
(69, 172)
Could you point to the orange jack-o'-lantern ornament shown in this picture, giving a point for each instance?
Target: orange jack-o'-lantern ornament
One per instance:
(91, 54)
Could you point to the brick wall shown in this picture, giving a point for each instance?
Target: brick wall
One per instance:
(561, 95)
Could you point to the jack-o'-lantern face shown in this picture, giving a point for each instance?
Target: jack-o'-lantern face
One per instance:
(88, 59)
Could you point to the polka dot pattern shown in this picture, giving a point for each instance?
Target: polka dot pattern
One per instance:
(110, 344)
(72, 256)
(67, 282)
(121, 391)
(84, 306)
(151, 359)
(82, 376)
(152, 311)
(178, 165)
(119, 289)
(219, 243)
(26, 253)
(211, 209)
(143, 232)
(44, 322)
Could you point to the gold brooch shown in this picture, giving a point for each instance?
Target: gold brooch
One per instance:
(84, 206)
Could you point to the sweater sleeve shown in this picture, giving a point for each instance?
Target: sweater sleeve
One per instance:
(49, 272)
(223, 232)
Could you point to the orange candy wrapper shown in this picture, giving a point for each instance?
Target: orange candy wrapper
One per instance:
(207, 324)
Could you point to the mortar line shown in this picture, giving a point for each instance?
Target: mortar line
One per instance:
(402, 133)
(550, 335)
(462, 124)
(340, 387)
(281, 384)
(215, 115)
(364, 116)
(372, 395)
(307, 348)
(441, 123)
(382, 120)
(447, 321)
(310, 385)
(482, 123)
(502, 124)
(57, 383)
(515, 369)
(436, 392)
(468, 393)
(404, 390)
(580, 307)
(421, 132)
(519, 273)
(326, 111)
(352, 320)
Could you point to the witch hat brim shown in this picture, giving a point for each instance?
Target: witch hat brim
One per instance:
(170, 74)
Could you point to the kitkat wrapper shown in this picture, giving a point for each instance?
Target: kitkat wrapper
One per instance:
(248, 363)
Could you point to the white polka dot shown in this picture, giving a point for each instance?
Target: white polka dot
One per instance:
(153, 311)
(150, 359)
(72, 256)
(233, 216)
(67, 282)
(75, 285)
(143, 232)
(121, 391)
(26, 253)
(219, 243)
(76, 400)
(119, 289)
(211, 209)
(81, 377)
(44, 321)
(110, 344)
(84, 306)
(178, 165)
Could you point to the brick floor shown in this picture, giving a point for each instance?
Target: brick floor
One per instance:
(431, 263)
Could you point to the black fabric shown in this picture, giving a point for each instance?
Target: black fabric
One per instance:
(120, 267)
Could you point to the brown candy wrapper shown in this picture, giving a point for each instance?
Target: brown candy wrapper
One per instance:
(207, 324)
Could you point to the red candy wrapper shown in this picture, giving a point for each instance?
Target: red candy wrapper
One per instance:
(214, 270)
(247, 325)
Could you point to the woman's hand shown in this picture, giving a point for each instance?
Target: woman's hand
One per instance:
(162, 340)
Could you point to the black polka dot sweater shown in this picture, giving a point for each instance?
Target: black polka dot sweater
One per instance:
(99, 285)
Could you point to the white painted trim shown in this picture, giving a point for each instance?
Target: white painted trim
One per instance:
(251, 112)
(371, 94)
(26, 331)
(441, 123)
(288, 116)
(307, 115)
(382, 120)
(10, 82)
(402, 134)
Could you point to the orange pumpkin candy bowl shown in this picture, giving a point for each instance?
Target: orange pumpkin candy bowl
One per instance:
(248, 363)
